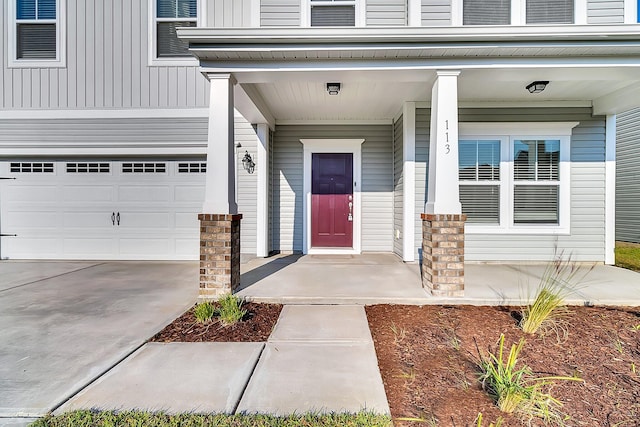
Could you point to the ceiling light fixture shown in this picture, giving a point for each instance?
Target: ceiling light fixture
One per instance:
(333, 88)
(537, 86)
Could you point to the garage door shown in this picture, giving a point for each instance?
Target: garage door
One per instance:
(77, 209)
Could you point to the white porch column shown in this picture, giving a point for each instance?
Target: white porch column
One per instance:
(409, 181)
(220, 194)
(443, 195)
(610, 191)
(262, 237)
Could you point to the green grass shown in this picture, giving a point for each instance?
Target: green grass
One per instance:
(159, 419)
(628, 255)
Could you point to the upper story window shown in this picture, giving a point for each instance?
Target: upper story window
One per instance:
(333, 13)
(36, 33)
(167, 17)
(517, 12)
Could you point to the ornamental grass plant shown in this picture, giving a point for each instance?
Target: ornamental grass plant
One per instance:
(560, 279)
(230, 309)
(515, 389)
(204, 312)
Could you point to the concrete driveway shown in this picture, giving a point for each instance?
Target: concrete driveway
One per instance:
(63, 324)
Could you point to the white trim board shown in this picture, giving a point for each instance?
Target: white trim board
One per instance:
(610, 191)
(353, 146)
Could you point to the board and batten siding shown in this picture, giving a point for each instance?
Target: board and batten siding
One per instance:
(386, 13)
(435, 13)
(398, 180)
(627, 173)
(605, 11)
(228, 13)
(106, 65)
(280, 13)
(586, 241)
(376, 186)
(247, 184)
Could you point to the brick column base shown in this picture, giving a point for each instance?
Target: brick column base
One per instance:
(219, 254)
(443, 254)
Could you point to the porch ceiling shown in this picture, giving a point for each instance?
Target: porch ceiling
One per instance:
(286, 70)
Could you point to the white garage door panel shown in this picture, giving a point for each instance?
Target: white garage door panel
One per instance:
(140, 194)
(98, 221)
(31, 193)
(87, 194)
(67, 213)
(98, 248)
(143, 221)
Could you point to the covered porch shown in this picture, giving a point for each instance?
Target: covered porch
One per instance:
(396, 102)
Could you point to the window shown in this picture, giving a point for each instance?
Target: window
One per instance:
(550, 11)
(31, 167)
(486, 12)
(88, 168)
(194, 167)
(515, 177)
(36, 33)
(333, 13)
(147, 167)
(168, 16)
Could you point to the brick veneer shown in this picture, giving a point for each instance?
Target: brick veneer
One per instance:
(219, 254)
(443, 254)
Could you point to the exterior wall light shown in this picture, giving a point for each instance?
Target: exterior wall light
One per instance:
(247, 162)
(537, 86)
(333, 88)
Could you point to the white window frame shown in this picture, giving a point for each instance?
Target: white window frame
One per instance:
(507, 133)
(154, 61)
(305, 11)
(519, 13)
(60, 60)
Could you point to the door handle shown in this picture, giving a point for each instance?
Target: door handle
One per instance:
(113, 218)
(118, 218)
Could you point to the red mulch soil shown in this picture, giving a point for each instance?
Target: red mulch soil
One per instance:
(256, 326)
(427, 375)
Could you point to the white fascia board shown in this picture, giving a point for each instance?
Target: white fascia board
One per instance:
(334, 122)
(619, 101)
(319, 35)
(141, 113)
(515, 104)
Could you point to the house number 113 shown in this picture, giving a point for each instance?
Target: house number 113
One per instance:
(447, 146)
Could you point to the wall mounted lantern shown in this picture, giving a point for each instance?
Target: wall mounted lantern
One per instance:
(537, 86)
(247, 162)
(333, 88)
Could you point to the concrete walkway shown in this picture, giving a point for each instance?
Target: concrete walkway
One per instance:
(318, 358)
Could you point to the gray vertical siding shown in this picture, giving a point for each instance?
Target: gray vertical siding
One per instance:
(376, 186)
(436, 13)
(423, 127)
(398, 179)
(245, 135)
(228, 13)
(586, 241)
(605, 11)
(107, 56)
(627, 173)
(386, 13)
(280, 13)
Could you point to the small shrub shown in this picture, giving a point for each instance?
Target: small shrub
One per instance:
(560, 279)
(230, 309)
(516, 390)
(204, 312)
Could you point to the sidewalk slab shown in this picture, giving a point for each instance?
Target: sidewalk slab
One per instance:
(298, 377)
(174, 377)
(316, 323)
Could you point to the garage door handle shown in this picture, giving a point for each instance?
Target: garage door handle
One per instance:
(118, 218)
(113, 218)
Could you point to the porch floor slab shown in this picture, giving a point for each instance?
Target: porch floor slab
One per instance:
(174, 378)
(383, 278)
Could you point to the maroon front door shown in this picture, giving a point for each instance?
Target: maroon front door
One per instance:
(332, 200)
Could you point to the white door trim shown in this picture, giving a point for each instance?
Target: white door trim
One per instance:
(353, 146)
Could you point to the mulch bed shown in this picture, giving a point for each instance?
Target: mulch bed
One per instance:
(428, 360)
(256, 326)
